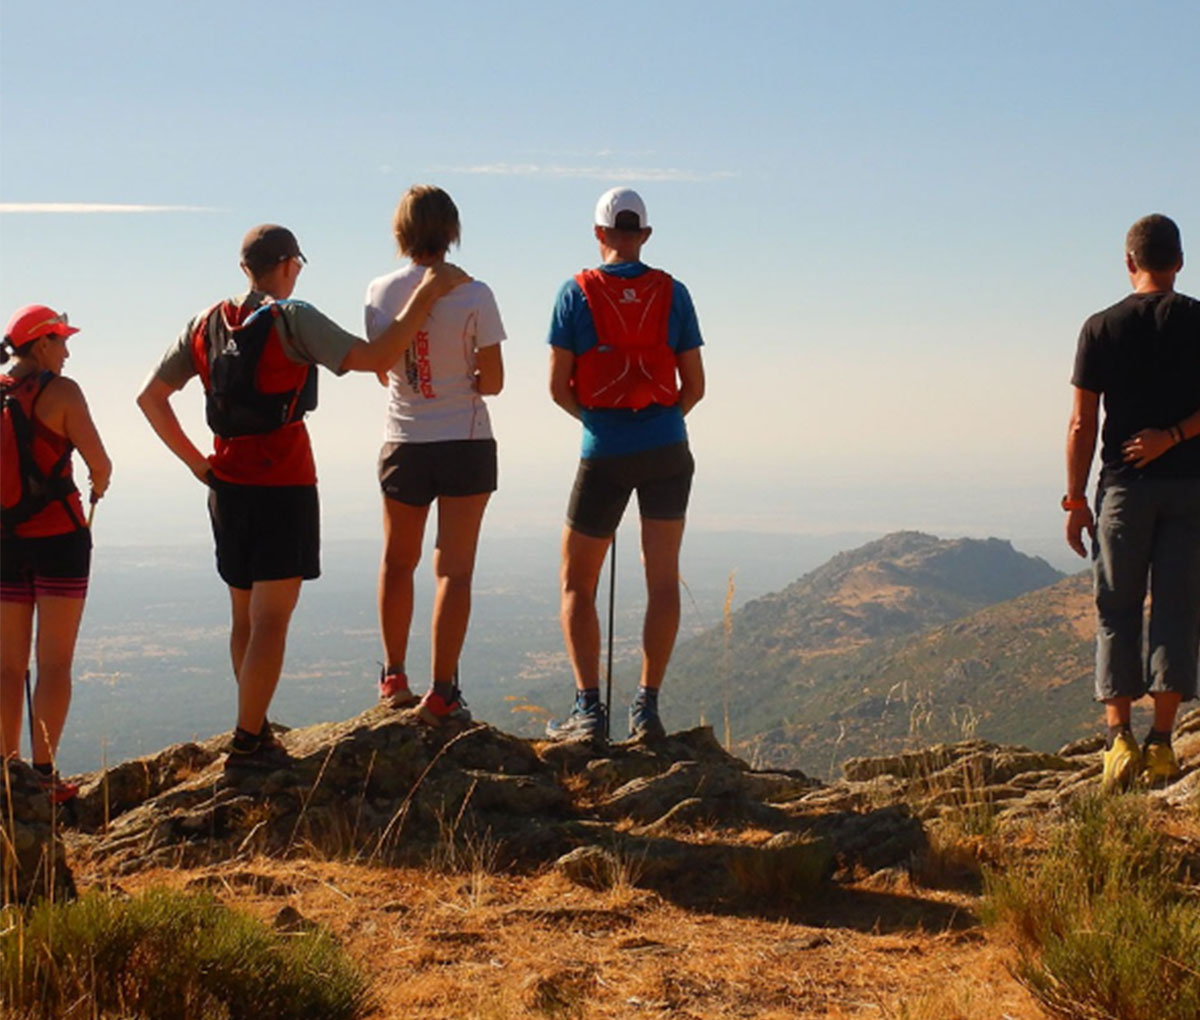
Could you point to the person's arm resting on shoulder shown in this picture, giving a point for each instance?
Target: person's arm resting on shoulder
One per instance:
(385, 350)
(1081, 445)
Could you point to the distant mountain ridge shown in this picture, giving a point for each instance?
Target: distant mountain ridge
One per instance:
(801, 661)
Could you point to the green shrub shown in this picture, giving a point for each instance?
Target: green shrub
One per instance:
(1104, 929)
(165, 955)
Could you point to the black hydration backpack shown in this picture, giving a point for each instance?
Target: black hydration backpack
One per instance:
(25, 489)
(236, 403)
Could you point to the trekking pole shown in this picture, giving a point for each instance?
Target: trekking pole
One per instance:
(29, 706)
(92, 501)
(612, 598)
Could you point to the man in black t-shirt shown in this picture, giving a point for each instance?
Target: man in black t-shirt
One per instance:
(1142, 356)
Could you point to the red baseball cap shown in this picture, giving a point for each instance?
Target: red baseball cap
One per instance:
(33, 321)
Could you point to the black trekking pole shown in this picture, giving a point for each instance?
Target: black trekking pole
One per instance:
(29, 706)
(612, 598)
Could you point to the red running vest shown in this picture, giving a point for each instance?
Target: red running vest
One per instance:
(632, 366)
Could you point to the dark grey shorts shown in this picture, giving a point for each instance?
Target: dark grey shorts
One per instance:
(418, 473)
(662, 478)
(1147, 540)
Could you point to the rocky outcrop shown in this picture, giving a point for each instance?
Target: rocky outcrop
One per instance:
(33, 864)
(681, 815)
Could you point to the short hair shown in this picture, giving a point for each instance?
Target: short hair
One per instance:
(1154, 243)
(425, 222)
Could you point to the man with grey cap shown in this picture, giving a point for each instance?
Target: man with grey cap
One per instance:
(625, 360)
(256, 356)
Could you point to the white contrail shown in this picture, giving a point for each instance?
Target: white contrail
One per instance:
(87, 208)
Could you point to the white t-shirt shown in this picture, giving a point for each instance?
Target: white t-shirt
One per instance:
(431, 391)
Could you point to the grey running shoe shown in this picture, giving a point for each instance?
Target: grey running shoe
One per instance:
(584, 723)
(644, 723)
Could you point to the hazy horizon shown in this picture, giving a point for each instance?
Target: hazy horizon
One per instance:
(152, 664)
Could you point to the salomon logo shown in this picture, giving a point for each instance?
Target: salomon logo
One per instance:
(629, 297)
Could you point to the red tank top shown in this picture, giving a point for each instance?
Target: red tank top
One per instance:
(633, 365)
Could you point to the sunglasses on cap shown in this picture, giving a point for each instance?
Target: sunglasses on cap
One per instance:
(58, 320)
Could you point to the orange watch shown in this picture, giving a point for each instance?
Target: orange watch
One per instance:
(1078, 503)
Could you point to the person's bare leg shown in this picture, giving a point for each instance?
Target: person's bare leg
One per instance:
(582, 561)
(1166, 707)
(459, 520)
(16, 637)
(239, 627)
(57, 628)
(271, 606)
(403, 533)
(661, 541)
(1118, 711)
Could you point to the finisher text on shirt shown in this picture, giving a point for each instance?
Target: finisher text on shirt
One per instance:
(424, 374)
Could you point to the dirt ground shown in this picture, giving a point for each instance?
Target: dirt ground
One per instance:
(475, 945)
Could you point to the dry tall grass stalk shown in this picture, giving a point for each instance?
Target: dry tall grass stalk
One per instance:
(727, 623)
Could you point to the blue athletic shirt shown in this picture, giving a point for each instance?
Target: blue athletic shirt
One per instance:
(616, 431)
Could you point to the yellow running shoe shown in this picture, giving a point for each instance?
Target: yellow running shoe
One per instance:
(1159, 764)
(1122, 763)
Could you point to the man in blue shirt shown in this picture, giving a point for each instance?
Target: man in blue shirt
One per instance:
(625, 360)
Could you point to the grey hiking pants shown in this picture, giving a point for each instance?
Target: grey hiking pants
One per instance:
(1147, 531)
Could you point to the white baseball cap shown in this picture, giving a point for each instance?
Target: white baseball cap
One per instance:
(620, 200)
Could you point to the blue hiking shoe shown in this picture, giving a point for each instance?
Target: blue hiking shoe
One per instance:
(644, 723)
(586, 722)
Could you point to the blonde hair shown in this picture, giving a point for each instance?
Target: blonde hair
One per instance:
(425, 223)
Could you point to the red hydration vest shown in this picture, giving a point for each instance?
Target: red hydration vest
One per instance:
(255, 396)
(38, 496)
(632, 366)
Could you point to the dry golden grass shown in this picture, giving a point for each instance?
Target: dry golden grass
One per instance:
(475, 945)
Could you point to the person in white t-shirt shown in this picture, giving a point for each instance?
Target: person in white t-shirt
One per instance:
(438, 445)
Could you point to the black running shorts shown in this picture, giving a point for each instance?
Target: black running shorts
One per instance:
(662, 478)
(265, 532)
(55, 566)
(418, 473)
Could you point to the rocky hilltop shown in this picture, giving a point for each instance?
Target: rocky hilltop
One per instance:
(383, 788)
(798, 668)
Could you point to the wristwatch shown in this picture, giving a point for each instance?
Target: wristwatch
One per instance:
(1078, 503)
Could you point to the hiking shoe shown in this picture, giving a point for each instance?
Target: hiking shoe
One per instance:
(393, 689)
(58, 790)
(644, 723)
(1159, 764)
(586, 722)
(1122, 763)
(435, 710)
(266, 736)
(257, 755)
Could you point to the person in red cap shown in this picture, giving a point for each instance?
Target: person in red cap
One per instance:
(46, 544)
(256, 356)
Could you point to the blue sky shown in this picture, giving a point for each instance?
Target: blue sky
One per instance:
(892, 218)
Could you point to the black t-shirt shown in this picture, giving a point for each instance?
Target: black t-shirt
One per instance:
(1143, 355)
